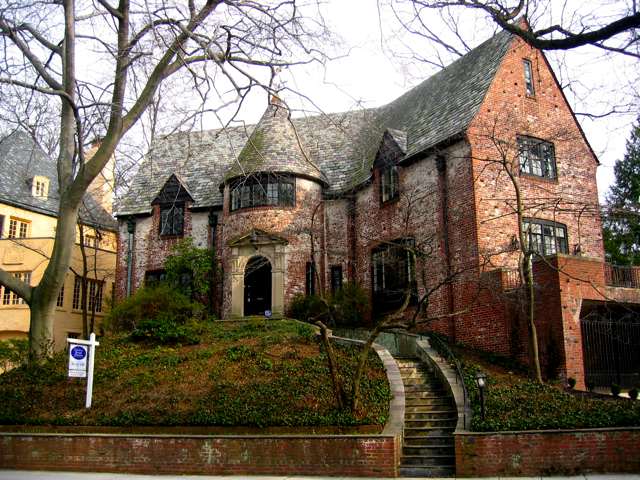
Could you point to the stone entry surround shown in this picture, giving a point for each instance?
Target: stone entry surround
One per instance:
(255, 244)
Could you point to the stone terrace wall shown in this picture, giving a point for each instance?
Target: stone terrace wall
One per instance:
(561, 452)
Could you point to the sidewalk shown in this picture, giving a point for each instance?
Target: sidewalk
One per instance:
(37, 475)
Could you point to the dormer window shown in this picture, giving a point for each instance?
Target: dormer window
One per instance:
(389, 184)
(40, 187)
(171, 220)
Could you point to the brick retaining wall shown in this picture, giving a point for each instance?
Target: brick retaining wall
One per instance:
(211, 455)
(559, 452)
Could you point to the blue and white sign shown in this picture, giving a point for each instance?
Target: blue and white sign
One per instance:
(267, 313)
(78, 360)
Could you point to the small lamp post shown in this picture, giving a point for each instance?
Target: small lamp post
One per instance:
(481, 381)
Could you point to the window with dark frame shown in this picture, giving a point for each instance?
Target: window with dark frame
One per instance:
(389, 184)
(545, 237)
(154, 277)
(60, 299)
(94, 294)
(263, 190)
(537, 157)
(528, 78)
(310, 279)
(336, 278)
(1, 226)
(393, 274)
(171, 220)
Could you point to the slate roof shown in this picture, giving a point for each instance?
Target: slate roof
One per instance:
(337, 149)
(21, 158)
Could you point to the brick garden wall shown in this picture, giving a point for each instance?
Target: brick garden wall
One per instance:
(562, 452)
(279, 455)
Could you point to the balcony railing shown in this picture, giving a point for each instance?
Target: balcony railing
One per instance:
(511, 279)
(622, 276)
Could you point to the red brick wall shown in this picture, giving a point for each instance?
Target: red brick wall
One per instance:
(571, 199)
(367, 456)
(548, 453)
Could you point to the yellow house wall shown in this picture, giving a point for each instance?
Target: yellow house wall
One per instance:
(32, 253)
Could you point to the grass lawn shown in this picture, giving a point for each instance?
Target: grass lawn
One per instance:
(514, 402)
(248, 374)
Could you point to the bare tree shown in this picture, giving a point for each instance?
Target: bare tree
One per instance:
(133, 48)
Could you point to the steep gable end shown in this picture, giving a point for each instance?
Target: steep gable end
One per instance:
(173, 191)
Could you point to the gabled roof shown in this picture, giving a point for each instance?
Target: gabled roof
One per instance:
(21, 158)
(173, 191)
(337, 149)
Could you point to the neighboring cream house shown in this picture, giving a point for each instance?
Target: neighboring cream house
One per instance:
(28, 208)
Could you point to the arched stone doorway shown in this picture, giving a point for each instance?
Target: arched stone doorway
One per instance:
(257, 286)
(257, 244)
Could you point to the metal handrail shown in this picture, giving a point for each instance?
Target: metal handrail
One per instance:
(441, 346)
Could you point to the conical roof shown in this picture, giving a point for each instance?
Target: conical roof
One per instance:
(275, 145)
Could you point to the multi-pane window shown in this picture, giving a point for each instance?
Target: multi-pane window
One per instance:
(528, 78)
(537, 157)
(91, 241)
(40, 186)
(310, 278)
(336, 278)
(261, 190)
(10, 298)
(389, 184)
(60, 300)
(171, 220)
(544, 237)
(94, 294)
(393, 272)
(154, 277)
(1, 225)
(18, 228)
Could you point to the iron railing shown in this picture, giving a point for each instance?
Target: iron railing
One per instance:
(511, 279)
(622, 276)
(443, 349)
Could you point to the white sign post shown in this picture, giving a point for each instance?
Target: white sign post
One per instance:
(82, 354)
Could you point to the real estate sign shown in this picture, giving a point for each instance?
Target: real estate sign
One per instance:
(78, 355)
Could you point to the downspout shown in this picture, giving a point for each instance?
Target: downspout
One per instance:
(131, 228)
(441, 165)
(213, 225)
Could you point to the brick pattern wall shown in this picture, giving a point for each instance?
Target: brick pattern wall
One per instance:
(366, 456)
(548, 453)
(291, 223)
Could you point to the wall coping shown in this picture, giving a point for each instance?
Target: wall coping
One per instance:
(395, 423)
(177, 435)
(547, 432)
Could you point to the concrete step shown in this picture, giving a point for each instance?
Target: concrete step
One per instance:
(425, 401)
(426, 472)
(430, 406)
(418, 432)
(434, 460)
(432, 415)
(427, 451)
(430, 441)
(431, 422)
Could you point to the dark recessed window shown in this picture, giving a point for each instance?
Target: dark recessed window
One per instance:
(537, 157)
(154, 277)
(171, 220)
(389, 184)
(310, 279)
(261, 190)
(545, 237)
(393, 274)
(336, 278)
(528, 78)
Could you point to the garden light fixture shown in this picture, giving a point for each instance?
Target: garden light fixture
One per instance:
(481, 381)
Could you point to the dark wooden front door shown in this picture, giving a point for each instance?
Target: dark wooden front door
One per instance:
(257, 286)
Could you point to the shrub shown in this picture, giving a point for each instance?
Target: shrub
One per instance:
(188, 268)
(13, 353)
(307, 307)
(633, 394)
(158, 314)
(615, 389)
(571, 382)
(350, 304)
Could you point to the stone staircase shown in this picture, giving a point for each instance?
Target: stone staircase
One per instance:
(429, 421)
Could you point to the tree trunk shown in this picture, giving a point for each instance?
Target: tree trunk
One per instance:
(333, 365)
(41, 328)
(533, 332)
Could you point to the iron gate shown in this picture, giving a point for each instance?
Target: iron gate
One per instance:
(611, 347)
